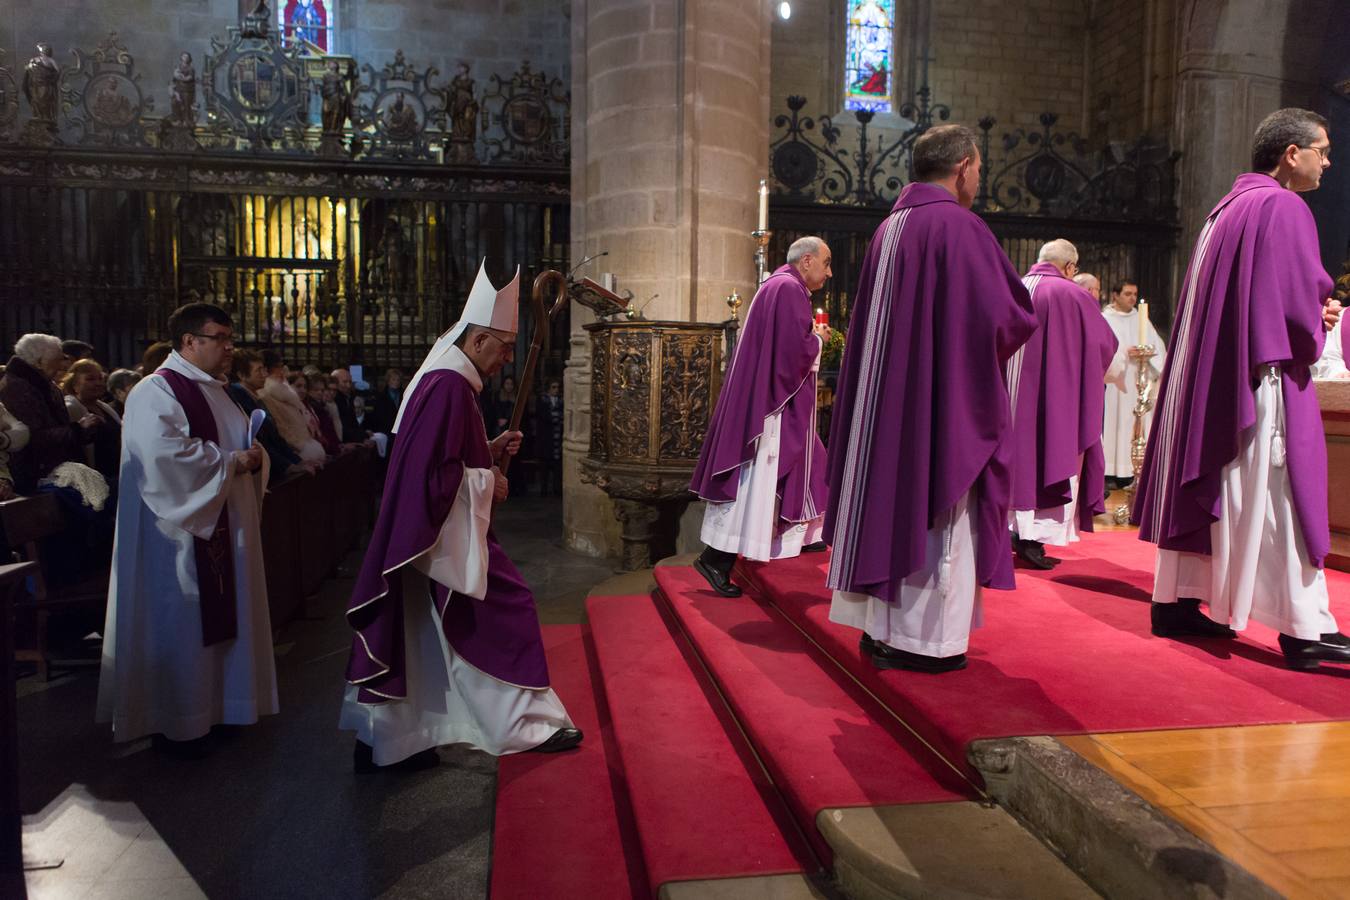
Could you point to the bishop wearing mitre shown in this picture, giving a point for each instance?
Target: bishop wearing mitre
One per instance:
(447, 647)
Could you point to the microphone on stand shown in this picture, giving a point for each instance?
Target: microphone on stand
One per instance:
(584, 261)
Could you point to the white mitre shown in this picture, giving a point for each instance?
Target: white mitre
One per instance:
(488, 307)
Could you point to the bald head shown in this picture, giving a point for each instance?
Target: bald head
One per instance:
(343, 380)
(1088, 282)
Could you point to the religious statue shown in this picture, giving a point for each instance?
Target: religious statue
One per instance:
(183, 93)
(400, 119)
(388, 268)
(41, 85)
(177, 130)
(463, 117)
(337, 108)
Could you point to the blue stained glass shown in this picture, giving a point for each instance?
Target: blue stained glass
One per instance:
(867, 56)
(307, 20)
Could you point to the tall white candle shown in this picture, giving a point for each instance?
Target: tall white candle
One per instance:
(1143, 323)
(763, 205)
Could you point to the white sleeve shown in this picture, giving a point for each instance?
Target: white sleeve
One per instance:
(183, 480)
(1115, 373)
(459, 559)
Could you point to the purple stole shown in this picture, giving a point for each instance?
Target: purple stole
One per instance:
(215, 561)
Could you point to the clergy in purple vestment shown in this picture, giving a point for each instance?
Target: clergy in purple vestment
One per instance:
(1055, 386)
(1234, 484)
(918, 477)
(762, 466)
(447, 647)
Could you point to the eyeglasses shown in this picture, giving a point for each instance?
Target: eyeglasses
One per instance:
(509, 344)
(1324, 152)
(227, 339)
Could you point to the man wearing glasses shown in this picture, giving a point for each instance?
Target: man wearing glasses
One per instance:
(188, 639)
(1056, 393)
(1234, 485)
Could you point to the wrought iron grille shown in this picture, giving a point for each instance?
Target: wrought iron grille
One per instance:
(329, 263)
(1117, 203)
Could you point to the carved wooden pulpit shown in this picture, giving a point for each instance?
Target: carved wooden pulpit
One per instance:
(653, 388)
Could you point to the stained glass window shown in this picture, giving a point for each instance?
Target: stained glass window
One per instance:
(867, 55)
(307, 20)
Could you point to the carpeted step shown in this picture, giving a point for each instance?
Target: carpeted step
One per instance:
(1070, 652)
(826, 744)
(563, 827)
(702, 806)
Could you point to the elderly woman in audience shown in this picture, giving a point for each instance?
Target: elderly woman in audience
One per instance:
(120, 383)
(84, 386)
(27, 392)
(289, 411)
(13, 438)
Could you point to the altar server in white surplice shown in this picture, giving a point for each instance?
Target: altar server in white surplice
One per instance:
(188, 639)
(1122, 314)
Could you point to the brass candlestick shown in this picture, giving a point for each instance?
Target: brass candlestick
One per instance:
(1143, 386)
(761, 237)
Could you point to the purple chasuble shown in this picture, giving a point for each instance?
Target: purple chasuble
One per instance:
(771, 371)
(1253, 296)
(921, 415)
(1055, 386)
(214, 558)
(442, 433)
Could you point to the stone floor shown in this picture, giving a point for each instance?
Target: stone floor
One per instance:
(274, 811)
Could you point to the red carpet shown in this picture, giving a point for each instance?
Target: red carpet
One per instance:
(563, 827)
(1070, 651)
(826, 744)
(703, 807)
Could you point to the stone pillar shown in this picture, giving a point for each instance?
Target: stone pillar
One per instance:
(670, 109)
(1239, 62)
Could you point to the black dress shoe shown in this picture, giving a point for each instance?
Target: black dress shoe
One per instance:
(1033, 553)
(885, 657)
(562, 739)
(1336, 638)
(1303, 654)
(717, 580)
(1184, 619)
(865, 644)
(816, 547)
(363, 760)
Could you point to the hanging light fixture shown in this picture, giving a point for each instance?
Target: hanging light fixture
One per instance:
(785, 10)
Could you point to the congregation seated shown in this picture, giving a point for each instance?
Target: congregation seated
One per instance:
(120, 383)
(27, 392)
(289, 411)
(13, 438)
(84, 387)
(247, 380)
(384, 408)
(316, 392)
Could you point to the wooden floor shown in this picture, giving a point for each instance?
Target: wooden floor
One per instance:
(1271, 798)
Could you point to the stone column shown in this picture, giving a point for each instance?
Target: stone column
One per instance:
(1239, 62)
(670, 107)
